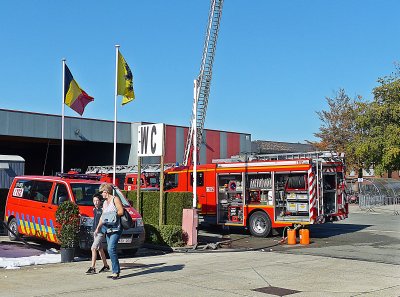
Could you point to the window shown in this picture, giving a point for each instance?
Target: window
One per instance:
(33, 190)
(83, 193)
(200, 179)
(41, 191)
(171, 181)
(60, 191)
(23, 189)
(129, 180)
(154, 182)
(329, 181)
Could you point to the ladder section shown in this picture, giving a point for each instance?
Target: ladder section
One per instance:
(204, 80)
(122, 169)
(321, 155)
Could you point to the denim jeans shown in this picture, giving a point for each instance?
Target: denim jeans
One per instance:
(112, 241)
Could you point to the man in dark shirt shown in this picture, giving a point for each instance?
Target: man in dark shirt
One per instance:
(98, 239)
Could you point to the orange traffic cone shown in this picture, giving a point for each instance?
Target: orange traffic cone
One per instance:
(304, 236)
(291, 236)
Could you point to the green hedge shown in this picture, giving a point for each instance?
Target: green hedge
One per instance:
(170, 233)
(149, 206)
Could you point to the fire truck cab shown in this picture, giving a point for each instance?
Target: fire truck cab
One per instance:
(148, 181)
(268, 191)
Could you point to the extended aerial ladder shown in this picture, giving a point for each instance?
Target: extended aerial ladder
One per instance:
(124, 169)
(202, 83)
(327, 156)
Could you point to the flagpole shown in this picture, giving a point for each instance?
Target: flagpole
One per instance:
(62, 115)
(115, 112)
(194, 153)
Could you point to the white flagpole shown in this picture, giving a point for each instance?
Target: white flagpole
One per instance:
(194, 153)
(115, 112)
(62, 115)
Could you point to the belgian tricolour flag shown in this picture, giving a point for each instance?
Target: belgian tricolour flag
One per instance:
(74, 96)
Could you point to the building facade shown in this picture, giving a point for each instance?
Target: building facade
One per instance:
(36, 137)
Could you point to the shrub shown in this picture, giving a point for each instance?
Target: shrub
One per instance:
(169, 235)
(149, 207)
(68, 224)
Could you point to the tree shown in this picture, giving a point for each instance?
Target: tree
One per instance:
(338, 129)
(379, 143)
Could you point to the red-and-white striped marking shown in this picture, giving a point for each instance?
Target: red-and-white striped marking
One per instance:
(312, 189)
(328, 169)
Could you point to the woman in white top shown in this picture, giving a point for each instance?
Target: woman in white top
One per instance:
(113, 232)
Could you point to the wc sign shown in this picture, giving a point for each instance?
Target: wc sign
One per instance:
(150, 140)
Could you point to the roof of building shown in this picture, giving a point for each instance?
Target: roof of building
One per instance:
(272, 147)
(12, 158)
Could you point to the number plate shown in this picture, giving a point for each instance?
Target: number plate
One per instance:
(125, 240)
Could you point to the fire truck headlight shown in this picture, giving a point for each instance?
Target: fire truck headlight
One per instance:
(139, 223)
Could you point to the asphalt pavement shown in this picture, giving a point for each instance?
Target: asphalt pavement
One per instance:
(340, 261)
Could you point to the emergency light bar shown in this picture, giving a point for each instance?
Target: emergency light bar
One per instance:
(78, 176)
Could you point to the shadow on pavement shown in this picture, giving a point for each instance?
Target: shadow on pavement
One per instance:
(170, 268)
(127, 266)
(330, 230)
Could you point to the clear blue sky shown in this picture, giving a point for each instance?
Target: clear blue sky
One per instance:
(276, 61)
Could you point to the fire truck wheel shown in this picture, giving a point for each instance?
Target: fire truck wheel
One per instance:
(260, 224)
(13, 226)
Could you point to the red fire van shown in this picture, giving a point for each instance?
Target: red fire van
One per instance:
(32, 202)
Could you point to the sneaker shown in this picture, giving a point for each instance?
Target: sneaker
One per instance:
(114, 276)
(91, 270)
(104, 269)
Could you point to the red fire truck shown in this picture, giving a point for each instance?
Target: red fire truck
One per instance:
(267, 191)
(148, 181)
(127, 175)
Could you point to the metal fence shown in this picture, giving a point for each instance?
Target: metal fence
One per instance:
(383, 193)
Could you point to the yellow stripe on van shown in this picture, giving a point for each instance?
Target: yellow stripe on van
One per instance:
(38, 229)
(44, 232)
(28, 231)
(21, 223)
(33, 230)
(51, 235)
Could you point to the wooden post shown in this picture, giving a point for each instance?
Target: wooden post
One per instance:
(161, 216)
(138, 182)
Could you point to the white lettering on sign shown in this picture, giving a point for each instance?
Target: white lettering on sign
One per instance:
(18, 192)
(210, 189)
(150, 140)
